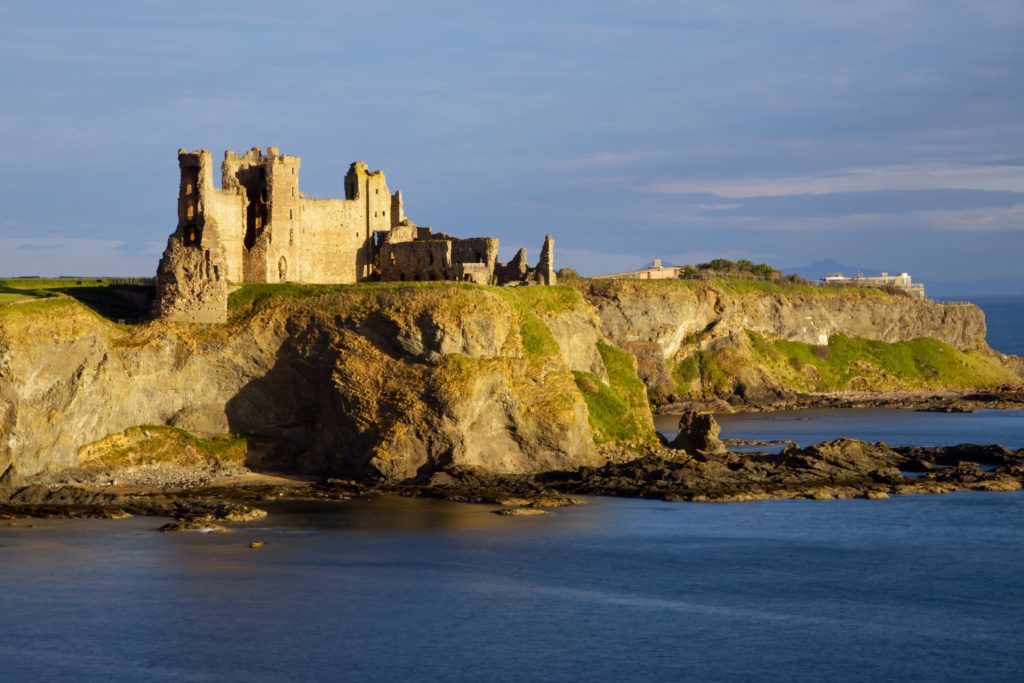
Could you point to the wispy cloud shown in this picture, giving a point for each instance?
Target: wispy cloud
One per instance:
(992, 176)
(71, 256)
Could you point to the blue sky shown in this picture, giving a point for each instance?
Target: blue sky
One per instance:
(884, 134)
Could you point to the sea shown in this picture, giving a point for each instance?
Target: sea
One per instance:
(1004, 316)
(915, 588)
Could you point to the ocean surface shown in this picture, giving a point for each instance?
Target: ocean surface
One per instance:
(894, 427)
(921, 588)
(1005, 318)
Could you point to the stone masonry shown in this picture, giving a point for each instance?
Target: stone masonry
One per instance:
(258, 227)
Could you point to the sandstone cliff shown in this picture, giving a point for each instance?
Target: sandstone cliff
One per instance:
(745, 340)
(380, 380)
(398, 380)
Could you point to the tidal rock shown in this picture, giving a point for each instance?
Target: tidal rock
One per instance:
(200, 525)
(519, 512)
(698, 432)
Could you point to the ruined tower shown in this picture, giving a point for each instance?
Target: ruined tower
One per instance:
(191, 281)
(258, 227)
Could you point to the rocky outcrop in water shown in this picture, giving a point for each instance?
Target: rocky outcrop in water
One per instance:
(698, 432)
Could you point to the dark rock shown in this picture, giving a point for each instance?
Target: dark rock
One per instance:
(698, 433)
(10, 482)
(945, 409)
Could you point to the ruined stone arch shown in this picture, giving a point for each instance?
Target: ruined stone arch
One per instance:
(282, 269)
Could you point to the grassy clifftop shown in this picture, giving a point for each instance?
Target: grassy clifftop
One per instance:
(761, 363)
(737, 338)
(730, 286)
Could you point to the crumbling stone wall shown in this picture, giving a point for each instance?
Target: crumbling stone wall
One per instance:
(411, 252)
(258, 227)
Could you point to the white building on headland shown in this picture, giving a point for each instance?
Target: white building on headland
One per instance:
(656, 272)
(901, 282)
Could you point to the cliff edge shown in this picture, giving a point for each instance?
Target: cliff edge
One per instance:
(750, 341)
(389, 380)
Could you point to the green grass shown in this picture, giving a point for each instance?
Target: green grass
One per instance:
(541, 299)
(686, 374)
(618, 409)
(740, 287)
(113, 298)
(716, 377)
(527, 303)
(854, 363)
(535, 299)
(536, 337)
(158, 444)
(24, 289)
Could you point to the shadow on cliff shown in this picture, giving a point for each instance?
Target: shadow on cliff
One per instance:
(304, 421)
(123, 303)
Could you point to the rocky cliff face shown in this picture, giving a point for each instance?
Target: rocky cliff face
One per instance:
(668, 324)
(386, 381)
(668, 313)
(398, 380)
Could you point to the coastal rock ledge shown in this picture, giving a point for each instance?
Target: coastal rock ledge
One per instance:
(366, 381)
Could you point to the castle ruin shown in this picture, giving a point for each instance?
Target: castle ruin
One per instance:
(258, 227)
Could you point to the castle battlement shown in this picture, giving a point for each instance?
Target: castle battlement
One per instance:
(257, 226)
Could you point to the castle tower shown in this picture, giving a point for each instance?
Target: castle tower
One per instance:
(191, 281)
(545, 271)
(271, 221)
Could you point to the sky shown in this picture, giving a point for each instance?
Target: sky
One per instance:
(884, 134)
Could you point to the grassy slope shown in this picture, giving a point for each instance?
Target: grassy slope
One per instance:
(845, 364)
(159, 445)
(850, 364)
(733, 286)
(618, 409)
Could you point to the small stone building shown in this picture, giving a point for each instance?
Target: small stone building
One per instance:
(259, 227)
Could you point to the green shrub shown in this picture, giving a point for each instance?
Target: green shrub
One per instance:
(618, 410)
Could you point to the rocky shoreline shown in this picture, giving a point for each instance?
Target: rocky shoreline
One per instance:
(839, 469)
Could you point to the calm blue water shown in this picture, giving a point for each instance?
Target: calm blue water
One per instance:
(895, 427)
(917, 588)
(1004, 316)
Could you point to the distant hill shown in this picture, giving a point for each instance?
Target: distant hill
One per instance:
(818, 270)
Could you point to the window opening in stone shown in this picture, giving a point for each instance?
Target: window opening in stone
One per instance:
(189, 180)
(256, 206)
(193, 235)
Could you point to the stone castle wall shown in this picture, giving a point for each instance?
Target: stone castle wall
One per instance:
(259, 227)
